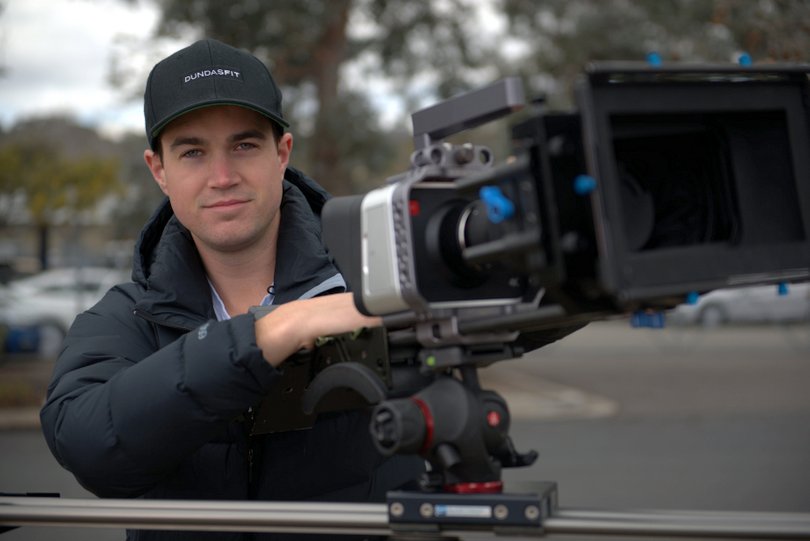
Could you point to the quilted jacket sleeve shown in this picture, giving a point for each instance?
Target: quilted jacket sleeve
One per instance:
(121, 414)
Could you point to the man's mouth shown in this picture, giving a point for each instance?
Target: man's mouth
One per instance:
(227, 203)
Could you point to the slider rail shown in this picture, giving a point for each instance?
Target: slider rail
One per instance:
(373, 519)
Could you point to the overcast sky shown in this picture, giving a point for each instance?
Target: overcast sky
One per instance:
(56, 57)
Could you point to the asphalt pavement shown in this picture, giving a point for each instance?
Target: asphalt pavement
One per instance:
(683, 418)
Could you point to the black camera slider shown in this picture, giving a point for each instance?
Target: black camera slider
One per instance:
(502, 513)
(337, 519)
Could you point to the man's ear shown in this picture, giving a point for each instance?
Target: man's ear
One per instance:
(155, 165)
(285, 144)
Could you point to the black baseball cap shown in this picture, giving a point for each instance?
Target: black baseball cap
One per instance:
(207, 73)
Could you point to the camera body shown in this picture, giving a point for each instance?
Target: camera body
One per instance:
(666, 181)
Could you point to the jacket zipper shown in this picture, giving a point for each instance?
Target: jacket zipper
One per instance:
(250, 418)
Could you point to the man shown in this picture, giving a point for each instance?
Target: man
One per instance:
(152, 392)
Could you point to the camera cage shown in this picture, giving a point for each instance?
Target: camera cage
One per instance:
(666, 182)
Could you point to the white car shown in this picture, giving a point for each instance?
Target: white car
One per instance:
(51, 300)
(751, 304)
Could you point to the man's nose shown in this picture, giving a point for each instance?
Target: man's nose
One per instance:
(223, 170)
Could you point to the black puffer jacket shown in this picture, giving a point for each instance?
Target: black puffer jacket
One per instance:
(148, 393)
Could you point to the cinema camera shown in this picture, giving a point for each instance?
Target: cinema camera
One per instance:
(665, 183)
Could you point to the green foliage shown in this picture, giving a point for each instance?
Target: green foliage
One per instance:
(561, 36)
(412, 37)
(770, 30)
(142, 195)
(299, 39)
(49, 183)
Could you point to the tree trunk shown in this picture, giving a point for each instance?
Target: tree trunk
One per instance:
(43, 234)
(330, 53)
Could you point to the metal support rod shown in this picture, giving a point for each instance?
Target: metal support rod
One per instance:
(735, 524)
(372, 519)
(330, 518)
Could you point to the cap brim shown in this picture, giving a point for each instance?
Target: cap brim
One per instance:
(212, 103)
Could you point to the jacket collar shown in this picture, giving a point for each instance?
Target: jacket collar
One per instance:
(168, 266)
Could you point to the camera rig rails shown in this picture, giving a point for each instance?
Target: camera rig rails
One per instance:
(666, 182)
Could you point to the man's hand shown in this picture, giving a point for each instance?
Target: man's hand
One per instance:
(295, 325)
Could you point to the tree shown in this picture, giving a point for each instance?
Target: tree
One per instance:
(51, 186)
(561, 36)
(770, 30)
(308, 43)
(142, 195)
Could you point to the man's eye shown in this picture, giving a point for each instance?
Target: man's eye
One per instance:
(245, 146)
(193, 153)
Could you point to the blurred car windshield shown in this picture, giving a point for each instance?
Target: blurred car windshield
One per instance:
(54, 297)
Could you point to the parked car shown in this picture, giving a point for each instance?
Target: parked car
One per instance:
(751, 304)
(38, 310)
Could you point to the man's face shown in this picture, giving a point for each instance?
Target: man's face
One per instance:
(222, 171)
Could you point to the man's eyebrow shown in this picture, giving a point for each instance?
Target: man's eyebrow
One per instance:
(236, 137)
(180, 141)
(247, 134)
